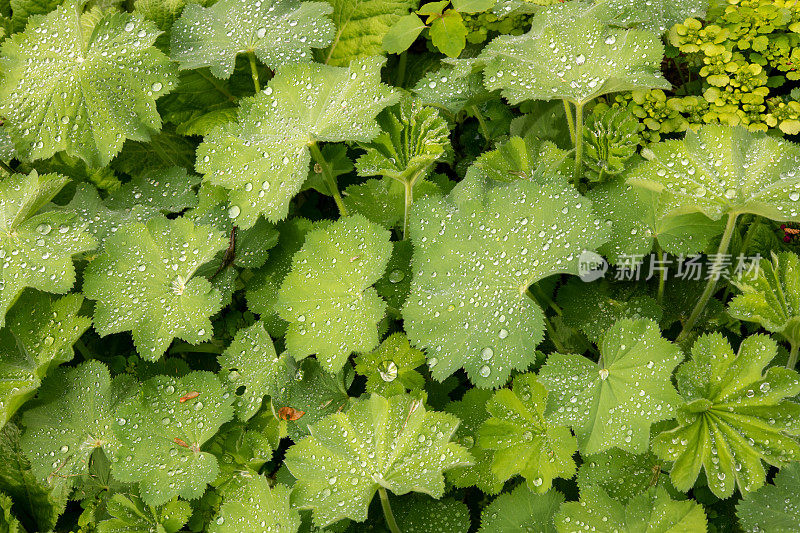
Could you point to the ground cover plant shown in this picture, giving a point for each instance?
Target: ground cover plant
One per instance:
(399, 266)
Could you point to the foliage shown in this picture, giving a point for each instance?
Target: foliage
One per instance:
(399, 266)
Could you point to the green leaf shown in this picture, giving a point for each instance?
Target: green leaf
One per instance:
(393, 443)
(252, 505)
(448, 33)
(97, 219)
(471, 410)
(36, 249)
(303, 103)
(412, 138)
(622, 475)
(22, 10)
(251, 362)
(522, 440)
(570, 54)
(162, 429)
(657, 16)
(526, 157)
(773, 507)
(279, 32)
(383, 200)
(163, 12)
(131, 515)
(403, 33)
(242, 448)
(500, 241)
(390, 369)
(652, 511)
(735, 416)
(8, 522)
(594, 307)
(74, 418)
(361, 27)
(144, 282)
(396, 281)
(262, 291)
(163, 151)
(314, 392)
(473, 6)
(637, 222)
(38, 337)
(453, 87)
(328, 298)
(613, 403)
(251, 247)
(35, 505)
(418, 513)
(771, 296)
(82, 85)
(521, 510)
(168, 190)
(722, 170)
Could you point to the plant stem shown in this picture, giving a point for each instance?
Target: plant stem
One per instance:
(661, 275)
(792, 355)
(330, 179)
(387, 511)
(254, 70)
(409, 187)
(5, 166)
(481, 122)
(712, 283)
(545, 298)
(570, 120)
(578, 142)
(400, 73)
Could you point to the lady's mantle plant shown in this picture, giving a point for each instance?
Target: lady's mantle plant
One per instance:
(263, 261)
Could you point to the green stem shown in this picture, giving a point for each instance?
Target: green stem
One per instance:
(578, 142)
(712, 283)
(792, 355)
(409, 187)
(387, 511)
(254, 70)
(662, 279)
(400, 73)
(83, 350)
(5, 166)
(545, 298)
(481, 122)
(330, 179)
(570, 120)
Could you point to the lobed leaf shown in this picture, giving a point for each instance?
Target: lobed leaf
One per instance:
(162, 430)
(612, 403)
(394, 443)
(304, 103)
(74, 419)
(735, 416)
(569, 53)
(278, 32)
(37, 338)
(145, 282)
(82, 84)
(328, 298)
(36, 249)
(524, 443)
(721, 170)
(476, 253)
